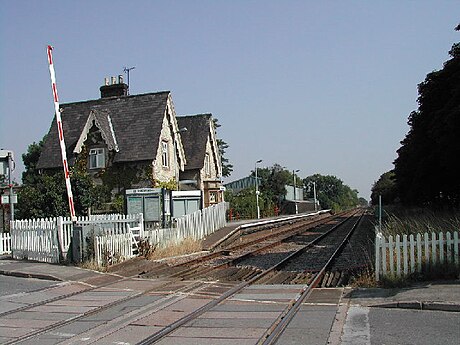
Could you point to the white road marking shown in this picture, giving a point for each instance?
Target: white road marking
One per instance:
(357, 330)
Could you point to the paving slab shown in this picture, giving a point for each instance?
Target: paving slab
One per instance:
(231, 323)
(243, 306)
(241, 315)
(128, 335)
(41, 315)
(28, 323)
(172, 340)
(161, 318)
(219, 332)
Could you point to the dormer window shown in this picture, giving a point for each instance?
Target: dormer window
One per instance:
(164, 154)
(97, 158)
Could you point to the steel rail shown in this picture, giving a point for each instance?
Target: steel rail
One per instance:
(284, 319)
(172, 327)
(285, 235)
(223, 252)
(185, 289)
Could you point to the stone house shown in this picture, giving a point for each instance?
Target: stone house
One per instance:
(133, 141)
(203, 170)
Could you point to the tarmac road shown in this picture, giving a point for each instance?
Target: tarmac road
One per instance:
(13, 285)
(384, 326)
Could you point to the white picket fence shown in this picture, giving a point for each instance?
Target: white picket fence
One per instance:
(39, 239)
(196, 226)
(111, 249)
(397, 257)
(5, 243)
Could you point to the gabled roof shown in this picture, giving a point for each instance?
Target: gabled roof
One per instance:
(102, 120)
(195, 138)
(131, 123)
(200, 129)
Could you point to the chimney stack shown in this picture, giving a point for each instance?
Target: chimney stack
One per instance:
(114, 87)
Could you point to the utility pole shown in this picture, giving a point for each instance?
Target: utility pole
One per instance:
(295, 197)
(257, 191)
(10, 183)
(314, 194)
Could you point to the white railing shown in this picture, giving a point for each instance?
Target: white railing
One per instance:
(111, 249)
(31, 231)
(196, 226)
(5, 243)
(396, 257)
(37, 242)
(111, 224)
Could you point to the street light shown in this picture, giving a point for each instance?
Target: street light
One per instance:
(314, 194)
(257, 190)
(295, 198)
(176, 169)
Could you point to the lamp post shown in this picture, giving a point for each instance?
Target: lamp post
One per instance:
(176, 169)
(314, 194)
(295, 198)
(257, 190)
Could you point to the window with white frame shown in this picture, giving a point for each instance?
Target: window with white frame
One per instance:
(207, 165)
(97, 158)
(164, 154)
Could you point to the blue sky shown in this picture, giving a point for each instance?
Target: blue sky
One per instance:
(321, 86)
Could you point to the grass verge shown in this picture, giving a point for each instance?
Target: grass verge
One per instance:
(187, 246)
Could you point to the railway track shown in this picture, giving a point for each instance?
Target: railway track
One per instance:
(247, 246)
(275, 330)
(212, 283)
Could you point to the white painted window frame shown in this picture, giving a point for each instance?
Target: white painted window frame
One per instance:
(165, 153)
(97, 158)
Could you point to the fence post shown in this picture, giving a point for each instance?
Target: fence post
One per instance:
(391, 247)
(405, 256)
(449, 249)
(433, 248)
(60, 236)
(377, 255)
(456, 247)
(419, 252)
(441, 248)
(427, 250)
(141, 224)
(398, 255)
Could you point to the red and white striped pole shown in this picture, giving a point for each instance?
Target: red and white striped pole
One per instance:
(61, 133)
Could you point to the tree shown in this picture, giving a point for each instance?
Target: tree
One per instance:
(363, 202)
(272, 188)
(273, 181)
(331, 192)
(386, 187)
(227, 168)
(45, 195)
(30, 158)
(425, 169)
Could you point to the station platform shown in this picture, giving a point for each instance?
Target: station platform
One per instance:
(219, 236)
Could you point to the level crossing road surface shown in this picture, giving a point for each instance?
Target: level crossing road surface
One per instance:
(129, 310)
(14, 285)
(102, 309)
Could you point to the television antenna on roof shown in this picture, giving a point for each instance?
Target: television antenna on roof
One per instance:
(126, 70)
